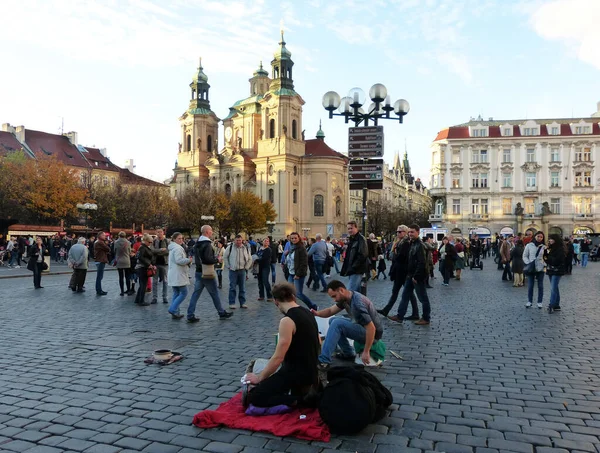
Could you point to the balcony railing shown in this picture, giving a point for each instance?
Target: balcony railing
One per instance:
(583, 216)
(531, 189)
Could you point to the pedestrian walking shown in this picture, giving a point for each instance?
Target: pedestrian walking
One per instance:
(459, 264)
(205, 276)
(122, 250)
(517, 264)
(161, 252)
(505, 250)
(318, 253)
(101, 251)
(381, 267)
(237, 260)
(356, 262)
(555, 257)
(264, 269)
(585, 252)
(297, 264)
(144, 266)
(36, 262)
(78, 259)
(219, 250)
(533, 258)
(178, 274)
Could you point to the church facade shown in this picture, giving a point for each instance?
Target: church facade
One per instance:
(265, 151)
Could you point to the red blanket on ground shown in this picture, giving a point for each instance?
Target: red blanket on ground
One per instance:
(231, 414)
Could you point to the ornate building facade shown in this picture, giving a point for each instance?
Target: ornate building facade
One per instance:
(510, 176)
(265, 151)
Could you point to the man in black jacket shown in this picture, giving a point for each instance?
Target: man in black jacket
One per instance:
(398, 273)
(415, 278)
(356, 262)
(204, 254)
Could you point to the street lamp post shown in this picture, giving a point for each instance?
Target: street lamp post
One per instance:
(85, 207)
(270, 225)
(350, 107)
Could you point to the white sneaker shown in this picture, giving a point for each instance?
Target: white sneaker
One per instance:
(327, 276)
(540, 305)
(17, 267)
(528, 305)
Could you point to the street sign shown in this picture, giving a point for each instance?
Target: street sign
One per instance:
(366, 176)
(363, 154)
(362, 166)
(373, 185)
(365, 146)
(377, 138)
(365, 142)
(365, 130)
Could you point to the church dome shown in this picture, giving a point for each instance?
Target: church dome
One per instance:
(199, 75)
(282, 53)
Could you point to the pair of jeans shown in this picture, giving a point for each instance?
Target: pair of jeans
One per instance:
(447, 274)
(211, 286)
(335, 264)
(99, 276)
(124, 279)
(142, 274)
(419, 288)
(273, 272)
(319, 265)
(37, 274)
(340, 329)
(531, 281)
(507, 274)
(179, 295)
(14, 254)
(263, 283)
(299, 285)
(398, 283)
(354, 282)
(237, 278)
(584, 258)
(161, 275)
(554, 291)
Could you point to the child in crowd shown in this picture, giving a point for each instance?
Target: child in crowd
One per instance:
(381, 267)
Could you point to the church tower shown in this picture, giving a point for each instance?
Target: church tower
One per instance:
(199, 131)
(259, 83)
(281, 109)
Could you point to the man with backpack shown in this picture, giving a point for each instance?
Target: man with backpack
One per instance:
(238, 261)
(364, 325)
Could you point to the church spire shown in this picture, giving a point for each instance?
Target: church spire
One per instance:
(199, 103)
(282, 67)
(320, 133)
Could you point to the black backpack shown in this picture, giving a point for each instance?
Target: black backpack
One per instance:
(353, 399)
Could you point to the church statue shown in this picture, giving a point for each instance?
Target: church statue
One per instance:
(262, 132)
(303, 136)
(239, 143)
(199, 143)
(519, 209)
(179, 147)
(216, 150)
(285, 130)
(546, 208)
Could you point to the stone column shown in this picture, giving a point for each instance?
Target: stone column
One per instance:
(519, 224)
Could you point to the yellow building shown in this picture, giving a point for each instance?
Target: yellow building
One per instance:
(265, 151)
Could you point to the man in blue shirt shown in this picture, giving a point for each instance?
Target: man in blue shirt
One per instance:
(318, 251)
(364, 327)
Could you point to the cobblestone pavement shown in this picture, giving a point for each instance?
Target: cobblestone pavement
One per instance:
(487, 376)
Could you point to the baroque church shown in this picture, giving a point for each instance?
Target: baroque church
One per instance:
(265, 151)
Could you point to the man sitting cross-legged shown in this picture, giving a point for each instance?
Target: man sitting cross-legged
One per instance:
(365, 326)
(297, 351)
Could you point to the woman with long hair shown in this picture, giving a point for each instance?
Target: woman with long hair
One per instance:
(534, 254)
(555, 257)
(35, 264)
(516, 259)
(145, 262)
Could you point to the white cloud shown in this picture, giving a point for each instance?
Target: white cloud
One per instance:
(573, 22)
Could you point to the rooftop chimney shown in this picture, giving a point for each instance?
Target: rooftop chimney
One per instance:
(20, 133)
(6, 127)
(72, 136)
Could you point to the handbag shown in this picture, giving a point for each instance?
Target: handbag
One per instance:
(208, 271)
(530, 267)
(151, 272)
(44, 266)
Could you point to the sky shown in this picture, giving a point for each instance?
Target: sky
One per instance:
(118, 71)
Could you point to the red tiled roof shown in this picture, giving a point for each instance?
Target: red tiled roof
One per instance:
(44, 144)
(8, 143)
(94, 155)
(131, 178)
(318, 148)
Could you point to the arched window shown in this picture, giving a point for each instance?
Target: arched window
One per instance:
(228, 190)
(105, 181)
(294, 129)
(439, 207)
(209, 144)
(272, 196)
(271, 128)
(295, 196)
(188, 144)
(113, 182)
(276, 72)
(318, 206)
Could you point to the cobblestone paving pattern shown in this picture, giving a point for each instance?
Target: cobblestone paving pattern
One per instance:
(487, 376)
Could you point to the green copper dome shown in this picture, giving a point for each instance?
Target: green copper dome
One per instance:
(200, 76)
(260, 71)
(320, 133)
(282, 53)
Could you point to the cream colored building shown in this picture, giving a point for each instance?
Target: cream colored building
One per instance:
(402, 192)
(265, 151)
(510, 176)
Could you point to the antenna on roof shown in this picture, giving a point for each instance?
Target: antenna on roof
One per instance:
(62, 125)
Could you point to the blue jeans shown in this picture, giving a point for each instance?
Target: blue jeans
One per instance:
(273, 273)
(584, 258)
(335, 264)
(354, 282)
(340, 329)
(179, 295)
(237, 278)
(99, 276)
(419, 288)
(319, 264)
(554, 291)
(160, 276)
(211, 286)
(299, 285)
(14, 254)
(530, 282)
(263, 283)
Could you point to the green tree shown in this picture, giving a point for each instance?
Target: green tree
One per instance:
(247, 213)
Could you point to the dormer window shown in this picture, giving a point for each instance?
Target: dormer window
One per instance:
(506, 130)
(583, 129)
(553, 130)
(96, 163)
(479, 133)
(530, 131)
